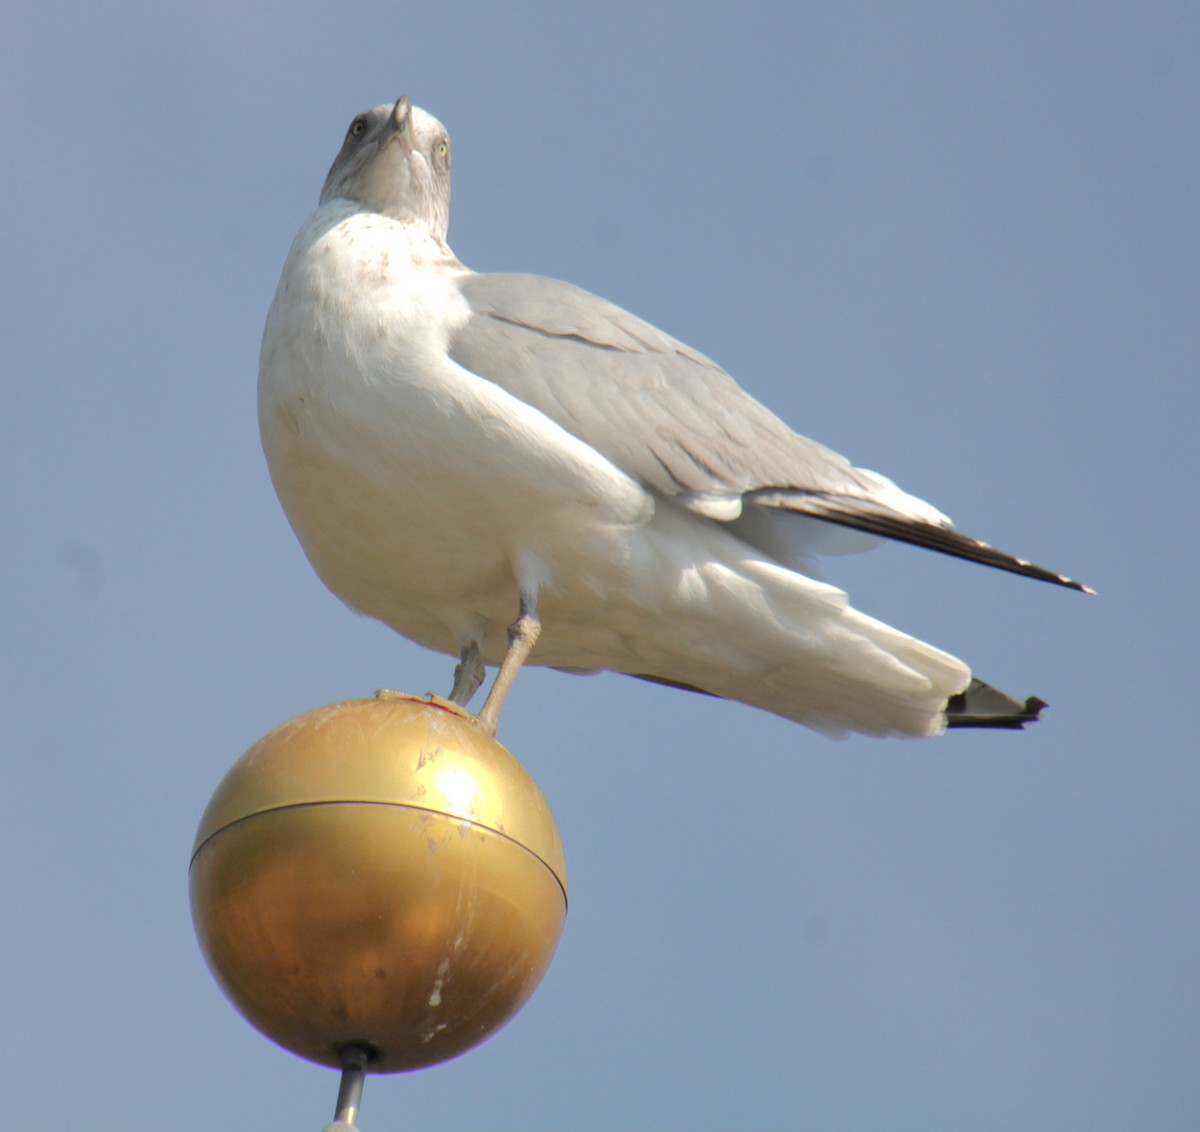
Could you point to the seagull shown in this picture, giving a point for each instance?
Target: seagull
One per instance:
(511, 470)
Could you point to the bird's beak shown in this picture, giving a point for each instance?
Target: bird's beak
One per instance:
(400, 125)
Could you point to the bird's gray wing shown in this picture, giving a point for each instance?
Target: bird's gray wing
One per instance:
(674, 420)
(660, 411)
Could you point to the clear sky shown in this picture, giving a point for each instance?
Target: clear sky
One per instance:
(957, 242)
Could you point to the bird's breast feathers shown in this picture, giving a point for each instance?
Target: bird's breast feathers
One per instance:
(376, 440)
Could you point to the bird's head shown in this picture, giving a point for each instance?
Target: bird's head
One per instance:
(396, 161)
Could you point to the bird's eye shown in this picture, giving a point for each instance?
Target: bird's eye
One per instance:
(358, 127)
(443, 148)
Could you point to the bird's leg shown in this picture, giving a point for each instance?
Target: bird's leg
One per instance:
(522, 636)
(468, 675)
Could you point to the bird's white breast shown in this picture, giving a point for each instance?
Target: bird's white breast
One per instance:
(419, 491)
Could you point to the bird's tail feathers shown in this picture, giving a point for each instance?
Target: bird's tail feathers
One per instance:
(795, 647)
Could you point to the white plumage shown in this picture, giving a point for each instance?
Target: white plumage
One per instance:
(454, 449)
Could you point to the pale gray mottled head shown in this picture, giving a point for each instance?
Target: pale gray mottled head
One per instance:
(395, 160)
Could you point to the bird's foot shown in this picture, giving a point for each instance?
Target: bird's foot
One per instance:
(487, 726)
(469, 673)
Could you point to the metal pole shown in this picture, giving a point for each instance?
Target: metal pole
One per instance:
(354, 1074)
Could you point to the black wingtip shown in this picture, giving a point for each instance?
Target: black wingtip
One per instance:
(869, 516)
(981, 705)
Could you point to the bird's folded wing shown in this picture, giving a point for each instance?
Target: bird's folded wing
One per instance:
(656, 408)
(674, 420)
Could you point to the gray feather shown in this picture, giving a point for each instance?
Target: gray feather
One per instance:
(672, 418)
(659, 410)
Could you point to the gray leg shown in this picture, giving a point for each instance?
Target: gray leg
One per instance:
(468, 675)
(522, 636)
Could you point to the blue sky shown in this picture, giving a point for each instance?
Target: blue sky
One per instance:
(957, 242)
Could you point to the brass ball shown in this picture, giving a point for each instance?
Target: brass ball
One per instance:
(379, 873)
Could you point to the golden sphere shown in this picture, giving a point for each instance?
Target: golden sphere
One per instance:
(381, 873)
